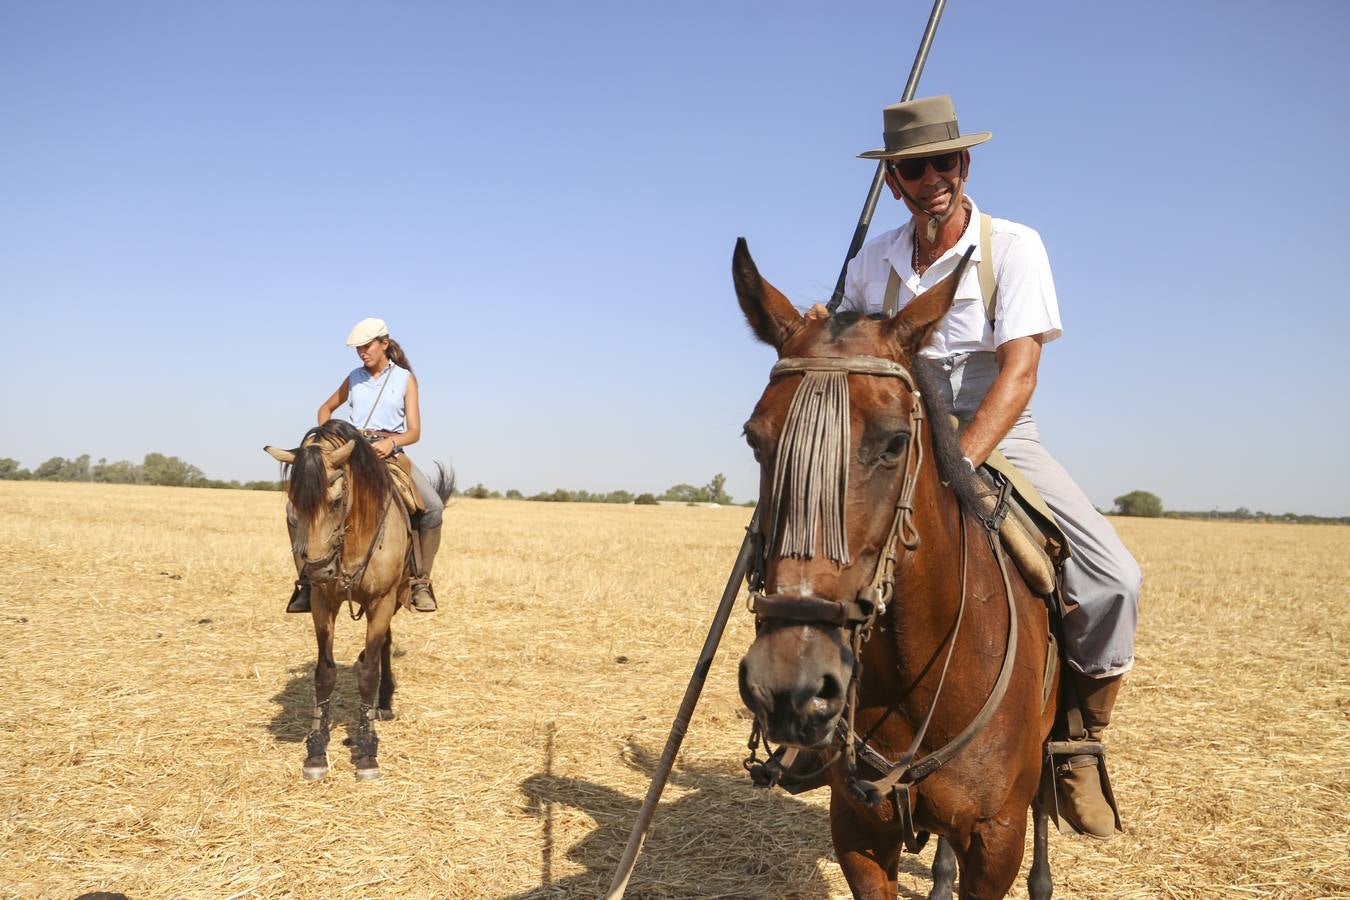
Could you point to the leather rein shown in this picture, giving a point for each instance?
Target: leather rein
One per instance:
(860, 616)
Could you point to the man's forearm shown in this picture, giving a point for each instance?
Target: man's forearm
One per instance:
(1007, 397)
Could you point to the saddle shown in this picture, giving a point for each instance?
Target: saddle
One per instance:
(400, 473)
(1027, 527)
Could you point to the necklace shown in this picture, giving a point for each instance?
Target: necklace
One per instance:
(915, 262)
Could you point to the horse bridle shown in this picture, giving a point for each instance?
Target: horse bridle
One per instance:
(347, 581)
(860, 614)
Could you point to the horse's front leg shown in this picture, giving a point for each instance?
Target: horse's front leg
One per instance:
(325, 677)
(868, 856)
(365, 743)
(944, 871)
(992, 854)
(1040, 886)
(384, 709)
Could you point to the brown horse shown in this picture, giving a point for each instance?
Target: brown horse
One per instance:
(893, 640)
(355, 540)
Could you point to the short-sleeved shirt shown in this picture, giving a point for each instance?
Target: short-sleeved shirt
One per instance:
(1025, 305)
(391, 389)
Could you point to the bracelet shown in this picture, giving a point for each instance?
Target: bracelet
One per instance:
(967, 460)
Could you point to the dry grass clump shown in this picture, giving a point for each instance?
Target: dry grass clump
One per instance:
(159, 698)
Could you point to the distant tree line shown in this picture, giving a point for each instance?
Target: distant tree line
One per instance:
(1143, 503)
(156, 468)
(713, 492)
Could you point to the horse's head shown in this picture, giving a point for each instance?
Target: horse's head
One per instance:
(836, 437)
(318, 484)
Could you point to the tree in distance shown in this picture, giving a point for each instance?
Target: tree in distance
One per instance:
(1139, 503)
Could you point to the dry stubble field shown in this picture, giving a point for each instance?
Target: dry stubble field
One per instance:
(159, 697)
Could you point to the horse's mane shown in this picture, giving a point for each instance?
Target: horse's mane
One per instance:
(951, 464)
(368, 479)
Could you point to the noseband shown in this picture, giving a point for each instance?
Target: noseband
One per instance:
(860, 614)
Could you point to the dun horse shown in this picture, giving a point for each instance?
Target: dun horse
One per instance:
(893, 639)
(354, 539)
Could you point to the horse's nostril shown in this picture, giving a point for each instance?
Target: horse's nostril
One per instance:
(829, 688)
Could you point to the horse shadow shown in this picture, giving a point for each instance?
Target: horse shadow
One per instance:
(290, 723)
(722, 836)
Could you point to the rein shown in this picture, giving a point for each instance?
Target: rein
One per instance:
(860, 614)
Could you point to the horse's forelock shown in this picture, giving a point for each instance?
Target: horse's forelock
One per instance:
(307, 482)
(367, 482)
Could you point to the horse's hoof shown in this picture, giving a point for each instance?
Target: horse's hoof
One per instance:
(314, 772)
(371, 774)
(384, 715)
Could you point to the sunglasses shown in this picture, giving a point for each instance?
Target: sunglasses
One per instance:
(910, 169)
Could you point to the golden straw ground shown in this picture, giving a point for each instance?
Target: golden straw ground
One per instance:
(158, 697)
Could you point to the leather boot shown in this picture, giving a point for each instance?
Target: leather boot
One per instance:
(299, 602)
(423, 600)
(1080, 778)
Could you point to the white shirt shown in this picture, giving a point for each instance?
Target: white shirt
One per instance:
(1025, 305)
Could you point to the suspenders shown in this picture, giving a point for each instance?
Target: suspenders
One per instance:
(988, 286)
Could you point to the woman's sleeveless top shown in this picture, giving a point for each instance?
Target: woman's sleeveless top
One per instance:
(390, 413)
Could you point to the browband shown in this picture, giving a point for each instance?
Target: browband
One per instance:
(854, 365)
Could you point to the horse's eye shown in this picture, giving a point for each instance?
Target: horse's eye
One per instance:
(754, 446)
(894, 447)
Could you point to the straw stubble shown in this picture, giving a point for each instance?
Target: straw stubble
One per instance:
(160, 698)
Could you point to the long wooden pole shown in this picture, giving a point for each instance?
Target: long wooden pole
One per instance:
(719, 622)
(686, 712)
(879, 177)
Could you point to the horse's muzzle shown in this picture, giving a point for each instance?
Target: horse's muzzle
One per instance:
(323, 571)
(795, 679)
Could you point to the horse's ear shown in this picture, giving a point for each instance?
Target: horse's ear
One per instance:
(915, 323)
(339, 456)
(285, 456)
(772, 316)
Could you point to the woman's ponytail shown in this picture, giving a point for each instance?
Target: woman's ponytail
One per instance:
(395, 353)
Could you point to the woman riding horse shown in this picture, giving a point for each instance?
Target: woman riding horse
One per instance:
(380, 398)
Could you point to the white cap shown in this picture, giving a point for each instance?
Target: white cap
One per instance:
(366, 331)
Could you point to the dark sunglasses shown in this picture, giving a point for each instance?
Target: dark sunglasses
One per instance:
(910, 169)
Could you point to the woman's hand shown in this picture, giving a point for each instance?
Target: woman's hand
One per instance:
(817, 311)
(384, 447)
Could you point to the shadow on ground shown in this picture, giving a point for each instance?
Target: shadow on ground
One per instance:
(720, 837)
(290, 723)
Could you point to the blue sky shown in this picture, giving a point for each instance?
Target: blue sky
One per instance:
(200, 199)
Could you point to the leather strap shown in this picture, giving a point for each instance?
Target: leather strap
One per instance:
(988, 284)
(890, 303)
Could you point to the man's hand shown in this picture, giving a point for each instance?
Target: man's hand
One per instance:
(818, 311)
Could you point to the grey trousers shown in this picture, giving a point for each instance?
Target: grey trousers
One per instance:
(435, 506)
(1101, 576)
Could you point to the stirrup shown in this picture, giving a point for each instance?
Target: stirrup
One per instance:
(299, 602)
(421, 587)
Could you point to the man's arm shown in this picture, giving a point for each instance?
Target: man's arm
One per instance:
(1010, 393)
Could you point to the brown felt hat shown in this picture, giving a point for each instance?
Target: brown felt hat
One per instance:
(922, 127)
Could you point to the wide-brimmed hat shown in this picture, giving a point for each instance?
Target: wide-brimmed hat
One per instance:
(366, 331)
(922, 127)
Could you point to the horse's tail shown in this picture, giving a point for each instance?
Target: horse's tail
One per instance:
(444, 482)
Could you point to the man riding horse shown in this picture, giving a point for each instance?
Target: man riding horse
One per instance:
(988, 349)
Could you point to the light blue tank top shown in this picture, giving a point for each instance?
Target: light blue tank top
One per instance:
(390, 414)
